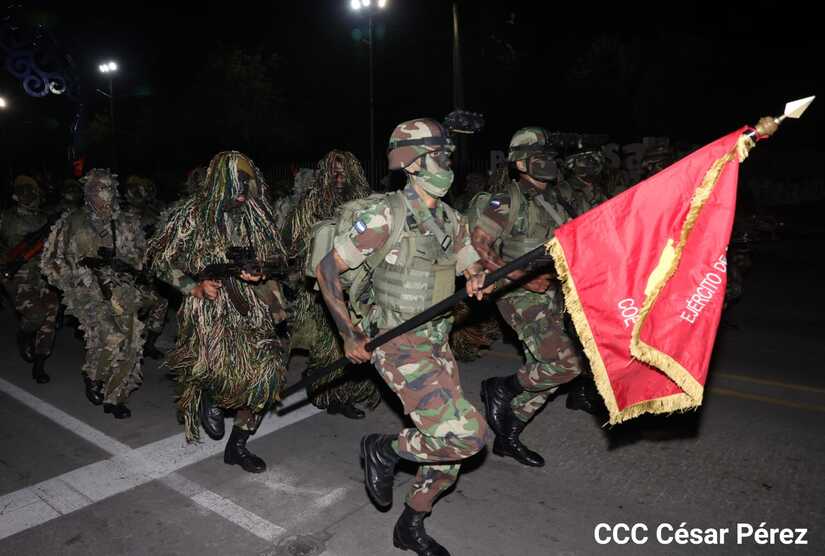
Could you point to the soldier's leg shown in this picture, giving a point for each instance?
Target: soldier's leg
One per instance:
(25, 299)
(425, 378)
(448, 429)
(245, 424)
(124, 344)
(45, 313)
(50, 302)
(550, 360)
(157, 306)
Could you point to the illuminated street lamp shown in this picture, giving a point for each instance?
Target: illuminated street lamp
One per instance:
(369, 8)
(109, 69)
(3, 104)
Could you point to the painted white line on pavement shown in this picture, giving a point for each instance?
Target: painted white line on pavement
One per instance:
(239, 516)
(78, 427)
(126, 469)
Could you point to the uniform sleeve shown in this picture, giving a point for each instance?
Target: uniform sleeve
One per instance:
(493, 218)
(163, 264)
(176, 278)
(369, 232)
(465, 253)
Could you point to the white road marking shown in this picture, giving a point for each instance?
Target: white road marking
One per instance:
(126, 469)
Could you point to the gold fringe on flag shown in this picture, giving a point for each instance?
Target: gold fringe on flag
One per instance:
(664, 271)
(668, 263)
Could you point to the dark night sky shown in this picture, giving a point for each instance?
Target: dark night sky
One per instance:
(626, 69)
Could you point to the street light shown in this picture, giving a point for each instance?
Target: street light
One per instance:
(109, 69)
(366, 6)
(3, 104)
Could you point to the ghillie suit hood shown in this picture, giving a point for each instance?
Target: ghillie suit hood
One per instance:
(312, 326)
(233, 357)
(323, 200)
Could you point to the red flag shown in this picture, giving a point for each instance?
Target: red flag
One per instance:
(644, 280)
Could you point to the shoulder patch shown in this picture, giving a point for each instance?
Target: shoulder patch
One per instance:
(359, 227)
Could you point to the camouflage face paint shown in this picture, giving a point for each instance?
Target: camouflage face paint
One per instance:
(542, 167)
(434, 179)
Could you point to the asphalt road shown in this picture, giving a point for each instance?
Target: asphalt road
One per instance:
(75, 481)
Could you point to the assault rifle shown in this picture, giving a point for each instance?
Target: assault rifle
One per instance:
(28, 248)
(242, 259)
(106, 259)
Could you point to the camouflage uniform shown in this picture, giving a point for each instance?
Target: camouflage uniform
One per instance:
(537, 318)
(420, 368)
(416, 245)
(582, 190)
(419, 258)
(230, 351)
(311, 327)
(105, 302)
(515, 222)
(35, 302)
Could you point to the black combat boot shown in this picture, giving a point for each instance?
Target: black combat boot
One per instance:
(236, 453)
(39, 370)
(348, 410)
(584, 396)
(380, 460)
(149, 349)
(94, 390)
(497, 394)
(118, 411)
(25, 344)
(409, 534)
(211, 418)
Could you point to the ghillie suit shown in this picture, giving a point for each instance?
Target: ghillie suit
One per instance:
(312, 327)
(229, 353)
(285, 206)
(476, 328)
(141, 200)
(142, 203)
(107, 302)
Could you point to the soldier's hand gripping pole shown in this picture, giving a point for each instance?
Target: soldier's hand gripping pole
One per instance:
(534, 257)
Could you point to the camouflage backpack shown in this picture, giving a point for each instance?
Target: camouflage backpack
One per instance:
(482, 200)
(357, 281)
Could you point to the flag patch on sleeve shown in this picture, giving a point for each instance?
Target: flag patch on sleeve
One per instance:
(359, 227)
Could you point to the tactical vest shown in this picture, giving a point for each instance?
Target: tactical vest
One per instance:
(422, 273)
(531, 223)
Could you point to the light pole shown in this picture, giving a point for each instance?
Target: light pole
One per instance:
(370, 8)
(109, 69)
(3, 107)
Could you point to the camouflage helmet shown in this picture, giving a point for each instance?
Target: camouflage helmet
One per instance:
(527, 141)
(139, 189)
(24, 183)
(585, 163)
(72, 191)
(415, 138)
(658, 153)
(657, 157)
(26, 191)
